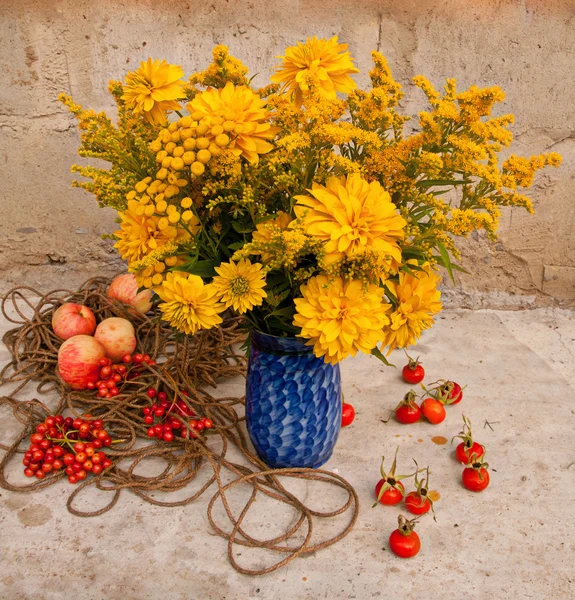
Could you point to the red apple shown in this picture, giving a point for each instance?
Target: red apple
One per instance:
(73, 319)
(117, 336)
(79, 361)
(125, 289)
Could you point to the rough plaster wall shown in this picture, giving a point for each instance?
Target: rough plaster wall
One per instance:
(50, 233)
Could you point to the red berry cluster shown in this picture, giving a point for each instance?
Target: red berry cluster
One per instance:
(171, 416)
(47, 451)
(111, 376)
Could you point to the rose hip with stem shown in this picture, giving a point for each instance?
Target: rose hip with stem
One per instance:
(413, 372)
(419, 502)
(407, 411)
(389, 489)
(403, 541)
(475, 476)
(467, 448)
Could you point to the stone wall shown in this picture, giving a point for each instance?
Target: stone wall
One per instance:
(50, 233)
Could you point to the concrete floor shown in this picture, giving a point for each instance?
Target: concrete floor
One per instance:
(515, 540)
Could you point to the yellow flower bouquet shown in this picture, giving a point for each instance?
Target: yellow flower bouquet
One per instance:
(304, 205)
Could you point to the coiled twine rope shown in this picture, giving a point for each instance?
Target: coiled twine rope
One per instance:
(184, 364)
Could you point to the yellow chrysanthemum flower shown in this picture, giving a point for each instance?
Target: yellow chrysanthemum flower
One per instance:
(240, 285)
(351, 215)
(418, 299)
(153, 88)
(322, 63)
(188, 303)
(139, 235)
(339, 317)
(245, 118)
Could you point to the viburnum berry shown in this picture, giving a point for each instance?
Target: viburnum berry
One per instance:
(55, 446)
(161, 418)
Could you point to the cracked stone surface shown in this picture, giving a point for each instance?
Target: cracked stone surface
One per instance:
(527, 47)
(515, 540)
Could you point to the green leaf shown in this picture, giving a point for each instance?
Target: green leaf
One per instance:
(377, 353)
(288, 311)
(390, 295)
(236, 246)
(242, 229)
(446, 261)
(455, 267)
(203, 268)
(410, 269)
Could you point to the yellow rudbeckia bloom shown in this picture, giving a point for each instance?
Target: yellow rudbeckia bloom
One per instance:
(188, 303)
(153, 89)
(139, 235)
(340, 317)
(418, 300)
(240, 285)
(245, 116)
(325, 64)
(351, 215)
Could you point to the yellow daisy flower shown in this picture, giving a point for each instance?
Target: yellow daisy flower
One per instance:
(153, 89)
(188, 303)
(418, 300)
(339, 317)
(351, 215)
(139, 235)
(245, 118)
(319, 62)
(240, 285)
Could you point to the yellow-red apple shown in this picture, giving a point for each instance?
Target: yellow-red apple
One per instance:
(117, 336)
(73, 319)
(79, 361)
(125, 289)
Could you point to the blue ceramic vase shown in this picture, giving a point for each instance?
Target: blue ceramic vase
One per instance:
(293, 402)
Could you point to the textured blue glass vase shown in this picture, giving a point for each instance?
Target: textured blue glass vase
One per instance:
(293, 402)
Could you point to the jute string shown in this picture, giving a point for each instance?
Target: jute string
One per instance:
(191, 364)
